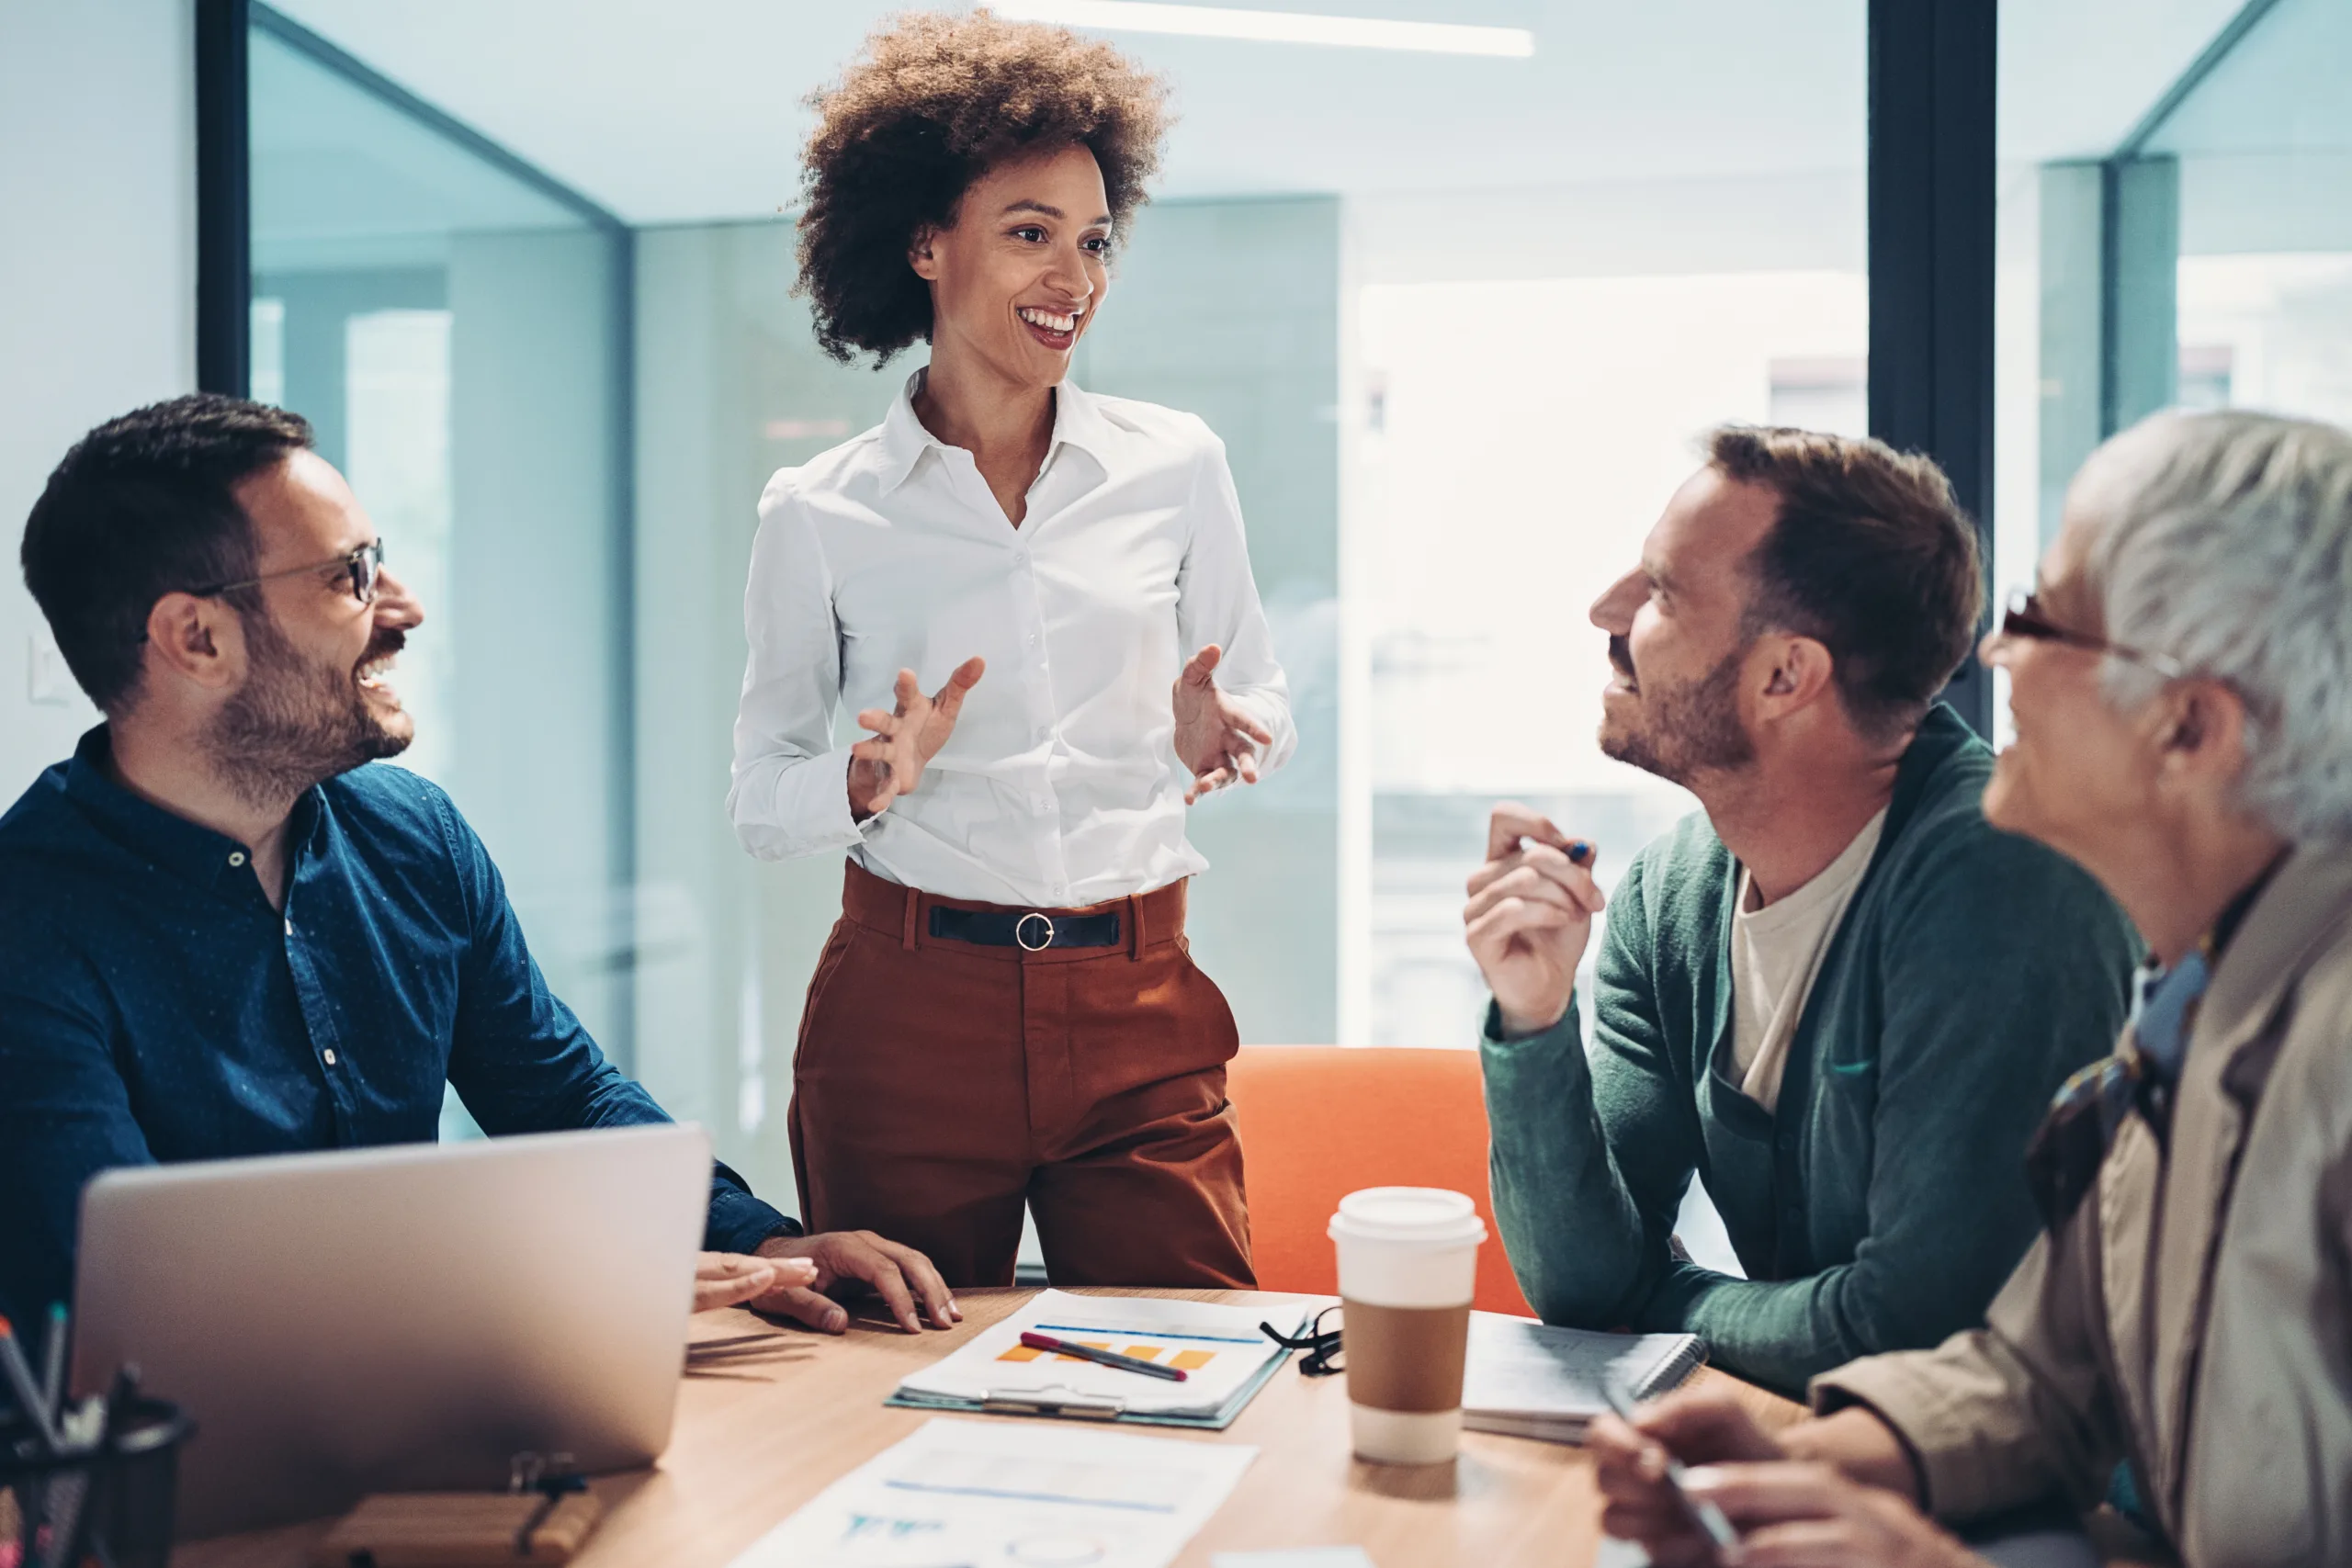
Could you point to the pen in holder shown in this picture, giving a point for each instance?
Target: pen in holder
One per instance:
(106, 1493)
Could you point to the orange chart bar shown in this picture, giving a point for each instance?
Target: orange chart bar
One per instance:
(1182, 1360)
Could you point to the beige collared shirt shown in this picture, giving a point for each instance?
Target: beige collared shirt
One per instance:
(1061, 785)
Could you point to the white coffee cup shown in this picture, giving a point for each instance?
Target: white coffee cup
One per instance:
(1408, 1268)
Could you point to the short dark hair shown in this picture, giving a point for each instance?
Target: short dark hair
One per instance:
(1871, 556)
(935, 102)
(143, 506)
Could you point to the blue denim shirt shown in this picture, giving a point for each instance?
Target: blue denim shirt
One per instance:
(154, 1008)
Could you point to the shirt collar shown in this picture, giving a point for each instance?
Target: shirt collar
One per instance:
(2164, 1007)
(187, 850)
(2226, 924)
(904, 440)
(1079, 421)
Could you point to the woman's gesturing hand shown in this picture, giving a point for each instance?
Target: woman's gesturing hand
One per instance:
(890, 763)
(1215, 736)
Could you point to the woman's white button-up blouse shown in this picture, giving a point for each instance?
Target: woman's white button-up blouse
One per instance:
(1060, 786)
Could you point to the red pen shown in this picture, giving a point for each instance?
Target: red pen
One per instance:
(1101, 1357)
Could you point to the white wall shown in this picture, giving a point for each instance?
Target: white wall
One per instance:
(97, 277)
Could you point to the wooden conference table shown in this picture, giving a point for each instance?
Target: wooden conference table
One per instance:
(756, 1440)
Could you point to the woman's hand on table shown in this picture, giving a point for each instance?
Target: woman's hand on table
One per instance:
(1216, 738)
(890, 763)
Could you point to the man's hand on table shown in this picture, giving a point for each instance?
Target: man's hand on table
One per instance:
(730, 1279)
(1796, 1502)
(902, 1276)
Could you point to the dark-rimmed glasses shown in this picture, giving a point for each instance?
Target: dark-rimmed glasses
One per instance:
(364, 565)
(2024, 617)
(1321, 1345)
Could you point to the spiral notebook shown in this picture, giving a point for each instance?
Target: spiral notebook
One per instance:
(1527, 1379)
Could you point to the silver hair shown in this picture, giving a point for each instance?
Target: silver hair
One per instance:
(2225, 541)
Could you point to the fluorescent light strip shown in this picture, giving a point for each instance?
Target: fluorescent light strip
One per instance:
(1272, 26)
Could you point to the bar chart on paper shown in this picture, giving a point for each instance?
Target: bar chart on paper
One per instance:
(1224, 1357)
(975, 1494)
(1176, 1352)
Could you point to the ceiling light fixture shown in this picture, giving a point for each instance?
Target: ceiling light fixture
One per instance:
(1273, 27)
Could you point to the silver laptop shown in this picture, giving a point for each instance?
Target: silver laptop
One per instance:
(397, 1319)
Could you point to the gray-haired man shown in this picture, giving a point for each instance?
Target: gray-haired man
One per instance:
(2182, 681)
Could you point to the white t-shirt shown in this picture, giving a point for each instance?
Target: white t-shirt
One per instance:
(1776, 953)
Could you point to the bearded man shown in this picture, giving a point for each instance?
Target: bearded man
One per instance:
(1835, 994)
(226, 933)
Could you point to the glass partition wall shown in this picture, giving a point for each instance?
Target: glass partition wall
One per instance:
(2188, 244)
(453, 327)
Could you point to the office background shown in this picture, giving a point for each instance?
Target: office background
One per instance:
(1457, 315)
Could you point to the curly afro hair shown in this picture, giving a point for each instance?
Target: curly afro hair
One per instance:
(932, 105)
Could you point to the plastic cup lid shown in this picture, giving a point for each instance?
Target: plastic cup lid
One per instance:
(1409, 1216)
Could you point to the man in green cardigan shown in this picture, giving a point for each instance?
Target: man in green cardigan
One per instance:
(1835, 994)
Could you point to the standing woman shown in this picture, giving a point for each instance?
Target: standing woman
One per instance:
(1007, 1011)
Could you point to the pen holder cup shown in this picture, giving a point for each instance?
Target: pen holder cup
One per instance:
(116, 1499)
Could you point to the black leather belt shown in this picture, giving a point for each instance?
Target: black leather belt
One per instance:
(1033, 933)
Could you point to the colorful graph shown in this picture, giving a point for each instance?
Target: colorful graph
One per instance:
(1183, 1360)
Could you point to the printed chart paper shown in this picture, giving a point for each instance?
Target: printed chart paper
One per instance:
(997, 1494)
(1219, 1350)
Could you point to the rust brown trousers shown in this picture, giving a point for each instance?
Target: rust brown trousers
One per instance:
(940, 1085)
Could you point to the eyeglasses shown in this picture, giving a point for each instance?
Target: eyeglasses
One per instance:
(2024, 618)
(1322, 1346)
(364, 565)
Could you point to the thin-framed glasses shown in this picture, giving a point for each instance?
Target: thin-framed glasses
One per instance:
(364, 565)
(2025, 619)
(1321, 1345)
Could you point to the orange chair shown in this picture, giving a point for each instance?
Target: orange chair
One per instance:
(1318, 1122)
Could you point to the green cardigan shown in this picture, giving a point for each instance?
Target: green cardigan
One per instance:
(1884, 1202)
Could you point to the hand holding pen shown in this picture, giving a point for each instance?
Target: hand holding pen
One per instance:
(1530, 915)
(1638, 1463)
(1697, 1511)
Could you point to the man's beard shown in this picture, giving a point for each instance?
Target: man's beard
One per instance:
(295, 723)
(1691, 730)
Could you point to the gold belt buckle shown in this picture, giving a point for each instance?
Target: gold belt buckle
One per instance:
(1020, 932)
